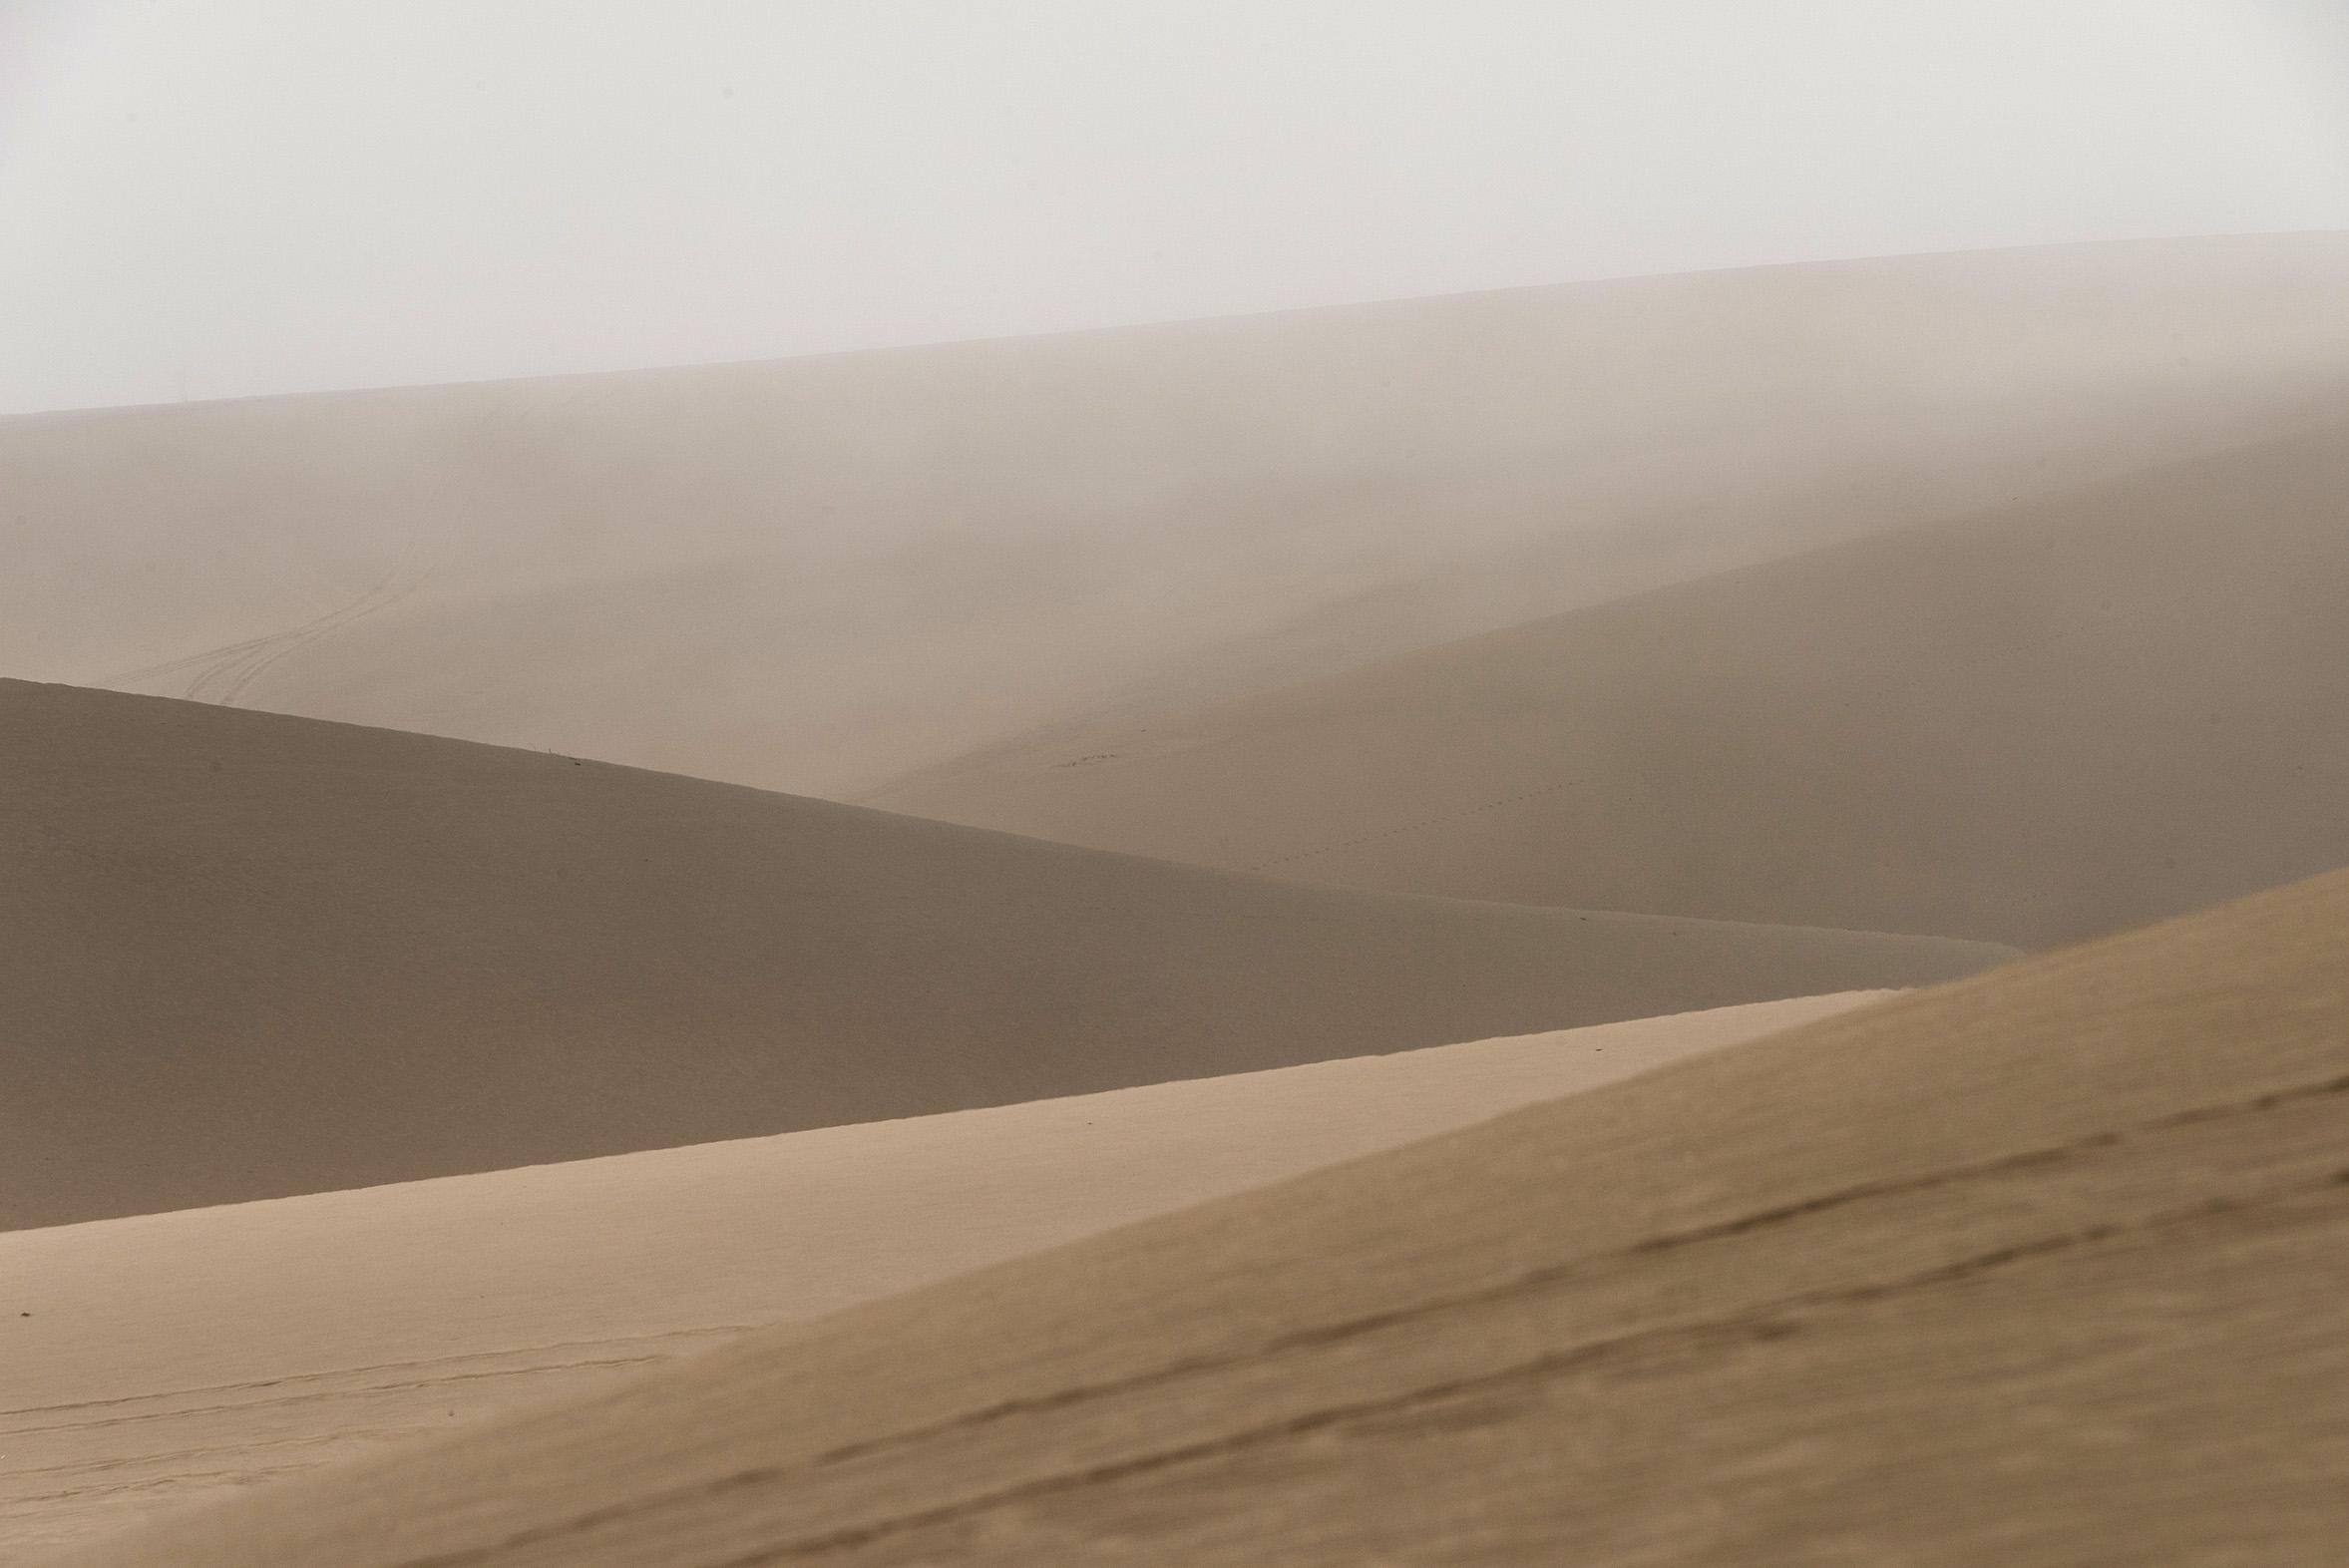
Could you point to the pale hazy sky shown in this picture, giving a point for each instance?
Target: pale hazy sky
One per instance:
(244, 197)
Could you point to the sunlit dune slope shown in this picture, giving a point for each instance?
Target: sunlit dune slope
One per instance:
(2040, 1267)
(161, 1358)
(243, 955)
(820, 575)
(2040, 723)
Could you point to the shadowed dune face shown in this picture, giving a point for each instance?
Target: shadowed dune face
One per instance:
(2032, 725)
(2039, 1268)
(820, 576)
(245, 956)
(171, 1356)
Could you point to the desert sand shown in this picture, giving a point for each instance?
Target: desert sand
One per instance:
(823, 575)
(2044, 722)
(865, 961)
(2040, 1267)
(246, 955)
(171, 1357)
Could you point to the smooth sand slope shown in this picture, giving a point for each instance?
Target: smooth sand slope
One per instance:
(243, 955)
(819, 575)
(2041, 723)
(173, 1356)
(2044, 1266)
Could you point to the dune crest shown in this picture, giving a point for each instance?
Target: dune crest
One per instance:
(2036, 1268)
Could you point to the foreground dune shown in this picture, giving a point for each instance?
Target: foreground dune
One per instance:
(243, 955)
(2034, 725)
(2042, 1266)
(171, 1355)
(821, 574)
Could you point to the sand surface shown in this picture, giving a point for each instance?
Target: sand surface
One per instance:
(432, 1138)
(820, 576)
(2048, 721)
(245, 956)
(2043, 1267)
(168, 1357)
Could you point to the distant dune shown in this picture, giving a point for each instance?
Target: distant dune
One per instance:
(243, 955)
(822, 574)
(168, 1357)
(2040, 1267)
(2038, 723)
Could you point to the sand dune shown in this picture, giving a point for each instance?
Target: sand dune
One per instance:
(433, 1154)
(2042, 1266)
(2032, 725)
(820, 576)
(174, 1356)
(246, 955)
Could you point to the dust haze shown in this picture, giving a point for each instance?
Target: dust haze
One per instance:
(1232, 786)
